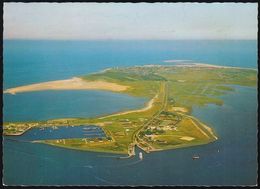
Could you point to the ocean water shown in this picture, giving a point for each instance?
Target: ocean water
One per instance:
(27, 62)
(229, 161)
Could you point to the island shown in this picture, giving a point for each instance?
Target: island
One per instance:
(166, 122)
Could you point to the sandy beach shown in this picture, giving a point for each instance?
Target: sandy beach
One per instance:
(147, 107)
(74, 83)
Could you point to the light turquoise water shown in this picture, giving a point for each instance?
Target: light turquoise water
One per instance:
(229, 161)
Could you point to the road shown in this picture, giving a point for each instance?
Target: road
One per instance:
(136, 140)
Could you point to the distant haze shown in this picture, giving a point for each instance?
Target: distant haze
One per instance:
(101, 21)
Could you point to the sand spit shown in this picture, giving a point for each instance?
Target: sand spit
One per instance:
(74, 83)
(176, 61)
(209, 66)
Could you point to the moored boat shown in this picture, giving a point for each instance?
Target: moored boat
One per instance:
(195, 157)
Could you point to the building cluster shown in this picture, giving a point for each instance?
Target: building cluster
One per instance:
(166, 121)
(17, 128)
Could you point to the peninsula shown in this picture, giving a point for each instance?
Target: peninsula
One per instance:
(164, 123)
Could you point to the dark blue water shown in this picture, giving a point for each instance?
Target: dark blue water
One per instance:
(229, 161)
(62, 132)
(60, 104)
(27, 62)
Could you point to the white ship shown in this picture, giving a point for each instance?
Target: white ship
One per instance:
(140, 155)
(195, 157)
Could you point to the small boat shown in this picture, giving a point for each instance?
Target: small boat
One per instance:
(140, 155)
(195, 157)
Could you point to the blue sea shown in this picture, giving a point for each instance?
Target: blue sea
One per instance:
(231, 160)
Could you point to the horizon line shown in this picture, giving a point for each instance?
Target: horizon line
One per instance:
(184, 39)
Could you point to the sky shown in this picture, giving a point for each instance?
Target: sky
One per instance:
(127, 21)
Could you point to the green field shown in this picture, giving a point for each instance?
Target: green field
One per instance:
(167, 124)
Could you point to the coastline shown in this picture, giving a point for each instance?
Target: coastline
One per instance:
(81, 149)
(206, 127)
(207, 133)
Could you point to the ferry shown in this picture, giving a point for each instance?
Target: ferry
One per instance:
(195, 157)
(88, 129)
(140, 155)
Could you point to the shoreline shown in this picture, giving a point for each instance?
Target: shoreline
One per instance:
(80, 149)
(74, 83)
(209, 129)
